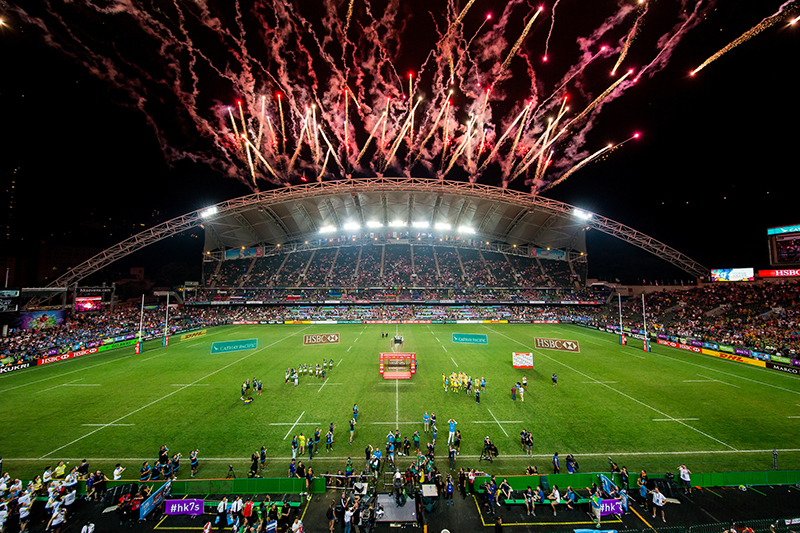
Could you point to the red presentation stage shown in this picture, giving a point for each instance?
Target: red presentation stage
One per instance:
(397, 365)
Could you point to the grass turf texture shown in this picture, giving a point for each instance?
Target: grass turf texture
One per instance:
(605, 404)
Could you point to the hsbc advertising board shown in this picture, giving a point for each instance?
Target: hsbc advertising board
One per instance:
(557, 344)
(65, 356)
(785, 273)
(323, 338)
(694, 349)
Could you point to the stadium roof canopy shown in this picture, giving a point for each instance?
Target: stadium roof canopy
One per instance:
(394, 204)
(299, 213)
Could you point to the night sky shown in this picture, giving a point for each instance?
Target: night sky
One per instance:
(714, 167)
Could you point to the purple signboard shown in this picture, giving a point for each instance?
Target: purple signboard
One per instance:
(796, 362)
(190, 507)
(695, 343)
(740, 351)
(611, 507)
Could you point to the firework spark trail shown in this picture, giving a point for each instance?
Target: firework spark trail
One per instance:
(516, 46)
(541, 145)
(460, 149)
(503, 137)
(430, 133)
(749, 34)
(512, 153)
(299, 144)
(550, 33)
(592, 105)
(631, 36)
(261, 158)
(539, 189)
(401, 136)
(668, 44)
(371, 136)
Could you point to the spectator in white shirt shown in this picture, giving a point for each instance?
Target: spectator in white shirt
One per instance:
(118, 472)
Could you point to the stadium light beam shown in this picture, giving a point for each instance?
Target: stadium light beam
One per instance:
(397, 224)
(327, 229)
(468, 230)
(374, 224)
(352, 225)
(443, 226)
(420, 224)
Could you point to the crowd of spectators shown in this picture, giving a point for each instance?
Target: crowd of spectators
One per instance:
(392, 265)
(450, 274)
(528, 272)
(320, 267)
(500, 268)
(760, 316)
(397, 266)
(424, 266)
(475, 272)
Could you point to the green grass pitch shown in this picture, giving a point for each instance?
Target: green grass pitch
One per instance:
(646, 410)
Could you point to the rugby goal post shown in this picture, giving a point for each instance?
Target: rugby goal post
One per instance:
(392, 365)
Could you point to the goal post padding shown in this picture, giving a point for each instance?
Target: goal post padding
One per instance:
(397, 365)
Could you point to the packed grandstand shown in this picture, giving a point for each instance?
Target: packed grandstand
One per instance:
(758, 316)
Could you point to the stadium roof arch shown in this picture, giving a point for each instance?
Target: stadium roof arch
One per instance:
(298, 213)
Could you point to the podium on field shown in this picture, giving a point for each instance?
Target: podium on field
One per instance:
(393, 365)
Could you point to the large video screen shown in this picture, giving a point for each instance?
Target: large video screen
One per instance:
(88, 303)
(784, 245)
(733, 274)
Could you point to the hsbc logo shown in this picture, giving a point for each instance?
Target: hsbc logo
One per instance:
(323, 338)
(557, 344)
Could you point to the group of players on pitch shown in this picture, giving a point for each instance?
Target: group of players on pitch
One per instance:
(292, 375)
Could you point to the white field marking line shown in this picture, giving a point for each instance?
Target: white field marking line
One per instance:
(329, 384)
(355, 341)
(445, 349)
(108, 424)
(633, 354)
(524, 457)
(437, 339)
(190, 385)
(394, 423)
(82, 385)
(793, 417)
(719, 381)
(320, 388)
(340, 360)
(672, 419)
(57, 386)
(83, 358)
(396, 401)
(699, 380)
(175, 391)
(348, 349)
(600, 382)
(293, 425)
(64, 374)
(153, 357)
(501, 421)
(296, 424)
(498, 422)
(453, 360)
(195, 344)
(615, 390)
(738, 365)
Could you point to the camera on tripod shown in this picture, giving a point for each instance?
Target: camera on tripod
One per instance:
(489, 450)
